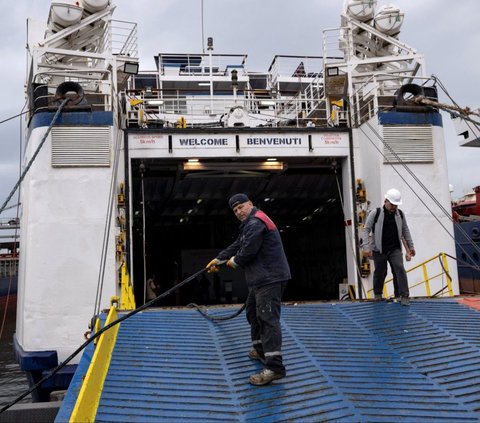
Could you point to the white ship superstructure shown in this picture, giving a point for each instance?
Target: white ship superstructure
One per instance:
(132, 174)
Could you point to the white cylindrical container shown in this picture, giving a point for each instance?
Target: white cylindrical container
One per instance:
(389, 19)
(93, 6)
(65, 13)
(363, 10)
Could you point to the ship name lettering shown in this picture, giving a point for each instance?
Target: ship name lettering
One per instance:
(274, 141)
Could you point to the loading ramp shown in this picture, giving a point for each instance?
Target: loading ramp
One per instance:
(346, 362)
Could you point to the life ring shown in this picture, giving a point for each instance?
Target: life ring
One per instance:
(67, 87)
(412, 89)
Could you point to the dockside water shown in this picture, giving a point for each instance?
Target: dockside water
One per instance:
(13, 381)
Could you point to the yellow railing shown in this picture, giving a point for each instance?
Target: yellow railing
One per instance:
(127, 299)
(427, 278)
(88, 399)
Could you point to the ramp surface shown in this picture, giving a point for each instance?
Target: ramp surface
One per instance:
(346, 362)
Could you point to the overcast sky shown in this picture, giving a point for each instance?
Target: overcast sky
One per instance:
(445, 31)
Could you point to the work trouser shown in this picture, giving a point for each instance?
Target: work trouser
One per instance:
(395, 258)
(263, 308)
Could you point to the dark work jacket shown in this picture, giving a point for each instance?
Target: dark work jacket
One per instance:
(259, 251)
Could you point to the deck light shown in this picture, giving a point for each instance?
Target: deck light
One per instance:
(332, 71)
(155, 102)
(267, 102)
(232, 166)
(131, 68)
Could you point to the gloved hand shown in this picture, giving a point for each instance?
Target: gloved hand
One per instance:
(231, 263)
(368, 253)
(213, 265)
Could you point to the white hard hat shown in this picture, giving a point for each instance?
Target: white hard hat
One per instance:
(393, 196)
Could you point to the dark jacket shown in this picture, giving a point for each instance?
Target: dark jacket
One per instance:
(259, 251)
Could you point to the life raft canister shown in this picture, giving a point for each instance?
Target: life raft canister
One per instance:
(71, 87)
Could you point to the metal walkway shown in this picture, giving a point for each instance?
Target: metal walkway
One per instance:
(346, 362)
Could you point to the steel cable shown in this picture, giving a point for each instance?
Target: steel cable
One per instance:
(357, 268)
(432, 197)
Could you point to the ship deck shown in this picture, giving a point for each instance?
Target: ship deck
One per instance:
(346, 362)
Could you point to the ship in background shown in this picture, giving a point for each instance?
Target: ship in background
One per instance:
(9, 250)
(466, 212)
(129, 171)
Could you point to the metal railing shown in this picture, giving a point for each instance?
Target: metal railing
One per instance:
(88, 399)
(377, 93)
(127, 297)
(168, 106)
(97, 91)
(336, 42)
(201, 64)
(124, 38)
(427, 278)
(8, 266)
(305, 68)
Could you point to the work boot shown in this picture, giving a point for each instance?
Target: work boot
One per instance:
(254, 355)
(405, 301)
(264, 377)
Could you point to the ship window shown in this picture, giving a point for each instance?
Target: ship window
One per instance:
(475, 256)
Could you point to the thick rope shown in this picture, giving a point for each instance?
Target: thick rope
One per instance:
(27, 168)
(100, 332)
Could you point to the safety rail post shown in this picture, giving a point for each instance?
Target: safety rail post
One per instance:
(426, 276)
(426, 279)
(127, 297)
(449, 278)
(385, 291)
(375, 96)
(85, 408)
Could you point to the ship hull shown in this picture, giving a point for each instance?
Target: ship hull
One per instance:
(8, 286)
(467, 256)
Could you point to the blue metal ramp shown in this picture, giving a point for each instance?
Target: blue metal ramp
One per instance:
(346, 362)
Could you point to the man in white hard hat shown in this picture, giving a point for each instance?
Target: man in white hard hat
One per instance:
(388, 227)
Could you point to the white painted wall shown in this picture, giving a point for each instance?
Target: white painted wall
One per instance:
(432, 230)
(62, 229)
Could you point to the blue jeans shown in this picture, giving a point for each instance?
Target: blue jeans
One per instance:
(395, 258)
(263, 307)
